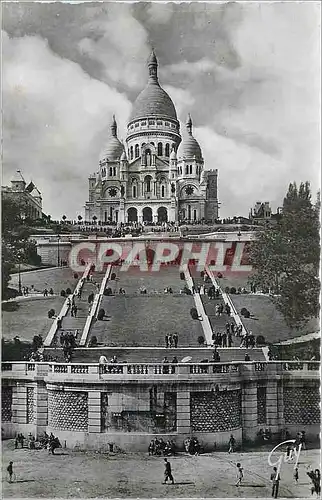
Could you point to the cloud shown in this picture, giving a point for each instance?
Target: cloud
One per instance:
(247, 72)
(55, 121)
(121, 46)
(245, 174)
(159, 13)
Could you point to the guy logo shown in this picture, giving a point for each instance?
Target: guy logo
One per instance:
(283, 456)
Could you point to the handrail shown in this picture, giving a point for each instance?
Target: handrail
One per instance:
(39, 369)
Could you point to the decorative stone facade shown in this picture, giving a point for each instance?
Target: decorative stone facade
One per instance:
(213, 412)
(30, 405)
(6, 404)
(261, 405)
(302, 405)
(153, 178)
(95, 408)
(68, 410)
(143, 412)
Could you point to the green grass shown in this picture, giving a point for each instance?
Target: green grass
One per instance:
(143, 320)
(31, 316)
(30, 319)
(266, 320)
(57, 279)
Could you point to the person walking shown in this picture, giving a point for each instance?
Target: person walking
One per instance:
(166, 338)
(275, 478)
(10, 471)
(175, 339)
(231, 444)
(240, 474)
(167, 472)
(296, 475)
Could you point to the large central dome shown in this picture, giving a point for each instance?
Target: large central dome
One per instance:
(153, 100)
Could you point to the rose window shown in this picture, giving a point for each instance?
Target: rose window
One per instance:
(189, 190)
(112, 192)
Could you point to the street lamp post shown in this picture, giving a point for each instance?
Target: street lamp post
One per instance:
(58, 256)
(19, 278)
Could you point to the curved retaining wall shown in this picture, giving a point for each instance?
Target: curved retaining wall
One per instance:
(129, 404)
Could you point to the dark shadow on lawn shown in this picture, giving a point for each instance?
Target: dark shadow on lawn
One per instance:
(253, 485)
(25, 481)
(179, 484)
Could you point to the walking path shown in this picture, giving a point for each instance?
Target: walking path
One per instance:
(95, 307)
(302, 338)
(205, 323)
(228, 301)
(65, 308)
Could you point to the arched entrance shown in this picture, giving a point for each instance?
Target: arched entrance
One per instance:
(162, 214)
(132, 215)
(147, 214)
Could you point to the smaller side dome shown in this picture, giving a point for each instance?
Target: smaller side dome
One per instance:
(114, 148)
(189, 148)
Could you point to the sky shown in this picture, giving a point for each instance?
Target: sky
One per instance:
(248, 73)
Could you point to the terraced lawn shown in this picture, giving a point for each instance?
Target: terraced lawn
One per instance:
(30, 318)
(144, 320)
(57, 279)
(266, 320)
(153, 281)
(234, 279)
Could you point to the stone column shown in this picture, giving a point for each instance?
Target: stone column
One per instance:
(183, 411)
(272, 405)
(94, 412)
(19, 404)
(280, 405)
(41, 408)
(249, 410)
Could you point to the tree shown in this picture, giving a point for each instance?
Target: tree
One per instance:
(285, 257)
(64, 218)
(16, 244)
(80, 218)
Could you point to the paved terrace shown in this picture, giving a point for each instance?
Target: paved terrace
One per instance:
(134, 319)
(156, 355)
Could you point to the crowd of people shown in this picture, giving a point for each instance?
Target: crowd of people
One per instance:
(169, 366)
(171, 340)
(44, 441)
(159, 447)
(68, 343)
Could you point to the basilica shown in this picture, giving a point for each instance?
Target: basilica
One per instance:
(158, 175)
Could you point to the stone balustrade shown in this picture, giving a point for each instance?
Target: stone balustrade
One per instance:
(135, 371)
